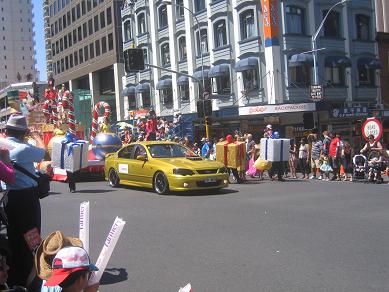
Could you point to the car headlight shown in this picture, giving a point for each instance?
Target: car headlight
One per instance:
(183, 171)
(223, 170)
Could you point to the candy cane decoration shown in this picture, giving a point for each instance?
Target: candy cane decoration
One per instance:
(71, 121)
(45, 110)
(65, 100)
(107, 113)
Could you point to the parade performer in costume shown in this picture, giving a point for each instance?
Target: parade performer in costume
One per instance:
(151, 127)
(50, 105)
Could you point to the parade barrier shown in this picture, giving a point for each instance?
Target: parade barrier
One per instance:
(274, 149)
(84, 225)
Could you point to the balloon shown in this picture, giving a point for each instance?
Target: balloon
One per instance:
(276, 135)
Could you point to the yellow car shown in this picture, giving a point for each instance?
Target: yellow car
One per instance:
(164, 167)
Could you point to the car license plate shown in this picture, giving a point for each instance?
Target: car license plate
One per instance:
(210, 180)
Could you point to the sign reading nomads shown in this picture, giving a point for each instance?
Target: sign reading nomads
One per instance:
(372, 126)
(316, 92)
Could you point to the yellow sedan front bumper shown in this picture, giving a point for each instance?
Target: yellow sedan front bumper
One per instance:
(197, 182)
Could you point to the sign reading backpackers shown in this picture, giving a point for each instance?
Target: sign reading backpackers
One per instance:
(270, 22)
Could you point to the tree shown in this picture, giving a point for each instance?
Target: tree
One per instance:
(19, 77)
(29, 77)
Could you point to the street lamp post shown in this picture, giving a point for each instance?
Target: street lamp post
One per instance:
(314, 50)
(198, 27)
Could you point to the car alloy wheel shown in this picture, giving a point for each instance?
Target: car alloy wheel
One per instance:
(113, 178)
(161, 185)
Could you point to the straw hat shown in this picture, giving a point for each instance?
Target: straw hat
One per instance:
(48, 250)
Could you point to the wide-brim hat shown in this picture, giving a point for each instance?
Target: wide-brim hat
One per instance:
(48, 249)
(17, 123)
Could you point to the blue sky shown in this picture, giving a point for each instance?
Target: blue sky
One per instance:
(39, 39)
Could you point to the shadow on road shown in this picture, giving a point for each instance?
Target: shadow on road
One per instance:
(95, 191)
(114, 275)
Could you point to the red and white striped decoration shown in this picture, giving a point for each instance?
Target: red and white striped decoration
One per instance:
(107, 113)
(54, 114)
(65, 99)
(46, 111)
(71, 120)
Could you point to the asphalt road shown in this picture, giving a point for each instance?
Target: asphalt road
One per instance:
(264, 236)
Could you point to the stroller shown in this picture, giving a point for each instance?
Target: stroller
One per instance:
(360, 168)
(375, 167)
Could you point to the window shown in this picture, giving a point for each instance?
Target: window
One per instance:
(57, 47)
(65, 42)
(58, 67)
(95, 3)
(127, 31)
(70, 39)
(166, 97)
(73, 14)
(335, 75)
(363, 27)
(220, 33)
(75, 58)
(141, 24)
(78, 11)
(97, 46)
(62, 65)
(179, 9)
(81, 56)
(91, 51)
(89, 5)
(103, 45)
(68, 17)
(53, 49)
(250, 79)
(109, 15)
(183, 91)
(79, 34)
(300, 76)
(247, 27)
(332, 24)
(202, 41)
(84, 30)
(56, 27)
(64, 21)
(83, 7)
(146, 100)
(66, 63)
(145, 56)
(74, 36)
(165, 54)
(295, 20)
(199, 5)
(61, 45)
(366, 77)
(221, 85)
(71, 60)
(60, 24)
(102, 19)
(90, 26)
(96, 20)
(86, 53)
(182, 48)
(51, 29)
(162, 12)
(110, 42)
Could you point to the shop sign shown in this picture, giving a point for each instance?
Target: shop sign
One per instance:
(316, 92)
(277, 109)
(372, 126)
(140, 113)
(349, 112)
(270, 22)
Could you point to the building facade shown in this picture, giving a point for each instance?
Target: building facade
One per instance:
(251, 56)
(84, 45)
(17, 55)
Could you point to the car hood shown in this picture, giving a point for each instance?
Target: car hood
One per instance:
(190, 163)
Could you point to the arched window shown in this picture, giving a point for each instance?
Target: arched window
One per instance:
(332, 24)
(141, 19)
(295, 20)
(127, 31)
(220, 33)
(162, 12)
(199, 5)
(182, 48)
(202, 41)
(363, 27)
(247, 27)
(165, 54)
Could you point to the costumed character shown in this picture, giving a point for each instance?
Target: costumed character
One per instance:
(151, 127)
(50, 105)
(105, 141)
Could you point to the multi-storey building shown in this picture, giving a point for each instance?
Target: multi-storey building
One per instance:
(86, 48)
(252, 67)
(17, 57)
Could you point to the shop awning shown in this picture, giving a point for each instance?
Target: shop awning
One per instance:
(337, 61)
(301, 60)
(128, 90)
(219, 71)
(183, 80)
(369, 63)
(143, 87)
(199, 74)
(246, 64)
(164, 84)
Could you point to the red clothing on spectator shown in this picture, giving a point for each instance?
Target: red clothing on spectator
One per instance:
(7, 173)
(333, 145)
(151, 126)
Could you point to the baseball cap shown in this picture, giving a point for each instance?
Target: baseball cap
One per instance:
(67, 261)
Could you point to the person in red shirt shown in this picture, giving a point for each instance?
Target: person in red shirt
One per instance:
(151, 127)
(335, 153)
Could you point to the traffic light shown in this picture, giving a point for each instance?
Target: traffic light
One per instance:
(207, 107)
(133, 60)
(308, 121)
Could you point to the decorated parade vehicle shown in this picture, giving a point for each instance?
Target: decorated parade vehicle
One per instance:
(163, 167)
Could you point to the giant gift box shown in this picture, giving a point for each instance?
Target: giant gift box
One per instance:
(71, 156)
(275, 149)
(232, 155)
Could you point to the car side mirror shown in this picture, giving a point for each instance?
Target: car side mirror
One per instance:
(141, 158)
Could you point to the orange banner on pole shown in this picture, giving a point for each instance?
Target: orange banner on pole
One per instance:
(270, 22)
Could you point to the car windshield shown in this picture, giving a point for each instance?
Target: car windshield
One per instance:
(169, 151)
